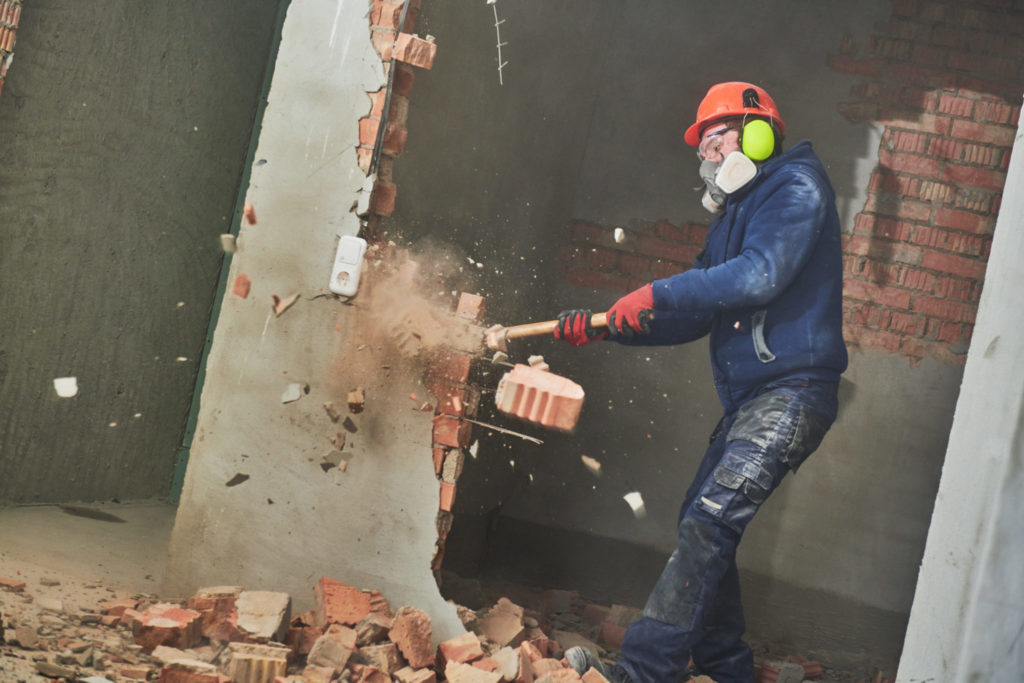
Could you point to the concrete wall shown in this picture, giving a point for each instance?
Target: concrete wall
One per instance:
(965, 622)
(123, 130)
(291, 520)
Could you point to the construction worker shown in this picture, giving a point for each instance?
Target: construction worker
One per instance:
(767, 288)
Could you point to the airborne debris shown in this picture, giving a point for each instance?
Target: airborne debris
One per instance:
(294, 392)
(242, 286)
(620, 235)
(591, 464)
(636, 503)
(282, 305)
(356, 400)
(228, 243)
(66, 387)
(331, 411)
(250, 213)
(338, 441)
(237, 479)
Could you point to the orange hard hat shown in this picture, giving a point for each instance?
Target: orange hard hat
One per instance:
(734, 98)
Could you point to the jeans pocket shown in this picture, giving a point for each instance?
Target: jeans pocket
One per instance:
(736, 488)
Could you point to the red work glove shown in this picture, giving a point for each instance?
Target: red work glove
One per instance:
(632, 313)
(574, 327)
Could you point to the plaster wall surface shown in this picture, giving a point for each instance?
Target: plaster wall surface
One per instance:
(965, 624)
(588, 125)
(123, 129)
(293, 520)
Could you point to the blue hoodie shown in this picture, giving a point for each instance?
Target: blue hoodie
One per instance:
(768, 286)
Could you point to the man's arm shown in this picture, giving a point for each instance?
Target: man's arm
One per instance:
(780, 237)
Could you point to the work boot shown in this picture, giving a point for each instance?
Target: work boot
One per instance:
(582, 660)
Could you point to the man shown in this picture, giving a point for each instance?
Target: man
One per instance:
(767, 288)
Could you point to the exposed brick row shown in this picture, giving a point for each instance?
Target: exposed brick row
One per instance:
(400, 51)
(10, 15)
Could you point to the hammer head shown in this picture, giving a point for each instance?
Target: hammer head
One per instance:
(495, 337)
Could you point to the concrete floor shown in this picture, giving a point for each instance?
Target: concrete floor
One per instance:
(128, 555)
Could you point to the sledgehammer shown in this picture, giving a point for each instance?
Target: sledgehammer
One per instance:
(497, 336)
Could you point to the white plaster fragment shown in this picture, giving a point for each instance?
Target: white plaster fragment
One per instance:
(636, 503)
(292, 393)
(66, 387)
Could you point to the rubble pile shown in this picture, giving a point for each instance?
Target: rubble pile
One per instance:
(228, 634)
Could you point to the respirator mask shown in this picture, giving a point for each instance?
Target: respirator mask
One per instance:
(722, 178)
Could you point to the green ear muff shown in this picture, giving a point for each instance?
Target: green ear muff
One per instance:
(758, 140)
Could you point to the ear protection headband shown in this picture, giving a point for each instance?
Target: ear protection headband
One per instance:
(757, 137)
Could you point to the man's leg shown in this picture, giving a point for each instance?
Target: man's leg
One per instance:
(721, 653)
(770, 434)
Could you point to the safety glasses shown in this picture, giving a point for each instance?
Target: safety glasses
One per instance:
(711, 145)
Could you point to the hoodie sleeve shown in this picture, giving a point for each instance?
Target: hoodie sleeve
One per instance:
(780, 236)
(671, 327)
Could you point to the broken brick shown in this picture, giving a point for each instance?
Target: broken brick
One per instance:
(546, 666)
(503, 626)
(452, 432)
(317, 674)
(531, 651)
(333, 648)
(384, 657)
(457, 672)
(252, 663)
(612, 635)
(411, 632)
(217, 605)
(250, 213)
(337, 603)
(460, 649)
(439, 455)
(560, 676)
(373, 628)
(470, 307)
(410, 675)
(453, 367)
(412, 49)
(356, 400)
(263, 615)
(241, 286)
(167, 624)
(301, 638)
(368, 674)
(12, 585)
(447, 496)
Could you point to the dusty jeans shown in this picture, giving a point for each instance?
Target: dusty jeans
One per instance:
(694, 609)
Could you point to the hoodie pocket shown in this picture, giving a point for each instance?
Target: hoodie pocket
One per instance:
(764, 354)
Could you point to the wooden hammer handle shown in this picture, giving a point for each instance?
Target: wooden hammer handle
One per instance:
(547, 327)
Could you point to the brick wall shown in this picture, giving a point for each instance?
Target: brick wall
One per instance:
(945, 78)
(400, 50)
(10, 13)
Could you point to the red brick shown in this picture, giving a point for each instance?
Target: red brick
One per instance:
(907, 141)
(439, 454)
(338, 603)
(985, 155)
(988, 133)
(867, 291)
(217, 605)
(612, 635)
(974, 177)
(911, 164)
(600, 259)
(167, 624)
(405, 76)
(915, 120)
(917, 279)
(894, 184)
(946, 149)
(411, 632)
(906, 323)
(334, 648)
(896, 206)
(452, 432)
(957, 288)
(993, 112)
(453, 367)
(13, 585)
(415, 50)
(879, 226)
(953, 264)
(460, 649)
(667, 231)
(634, 265)
(666, 269)
(944, 309)
(862, 336)
(302, 638)
(956, 105)
(470, 307)
(447, 496)
(382, 200)
(929, 55)
(241, 286)
(395, 137)
(667, 250)
(368, 129)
